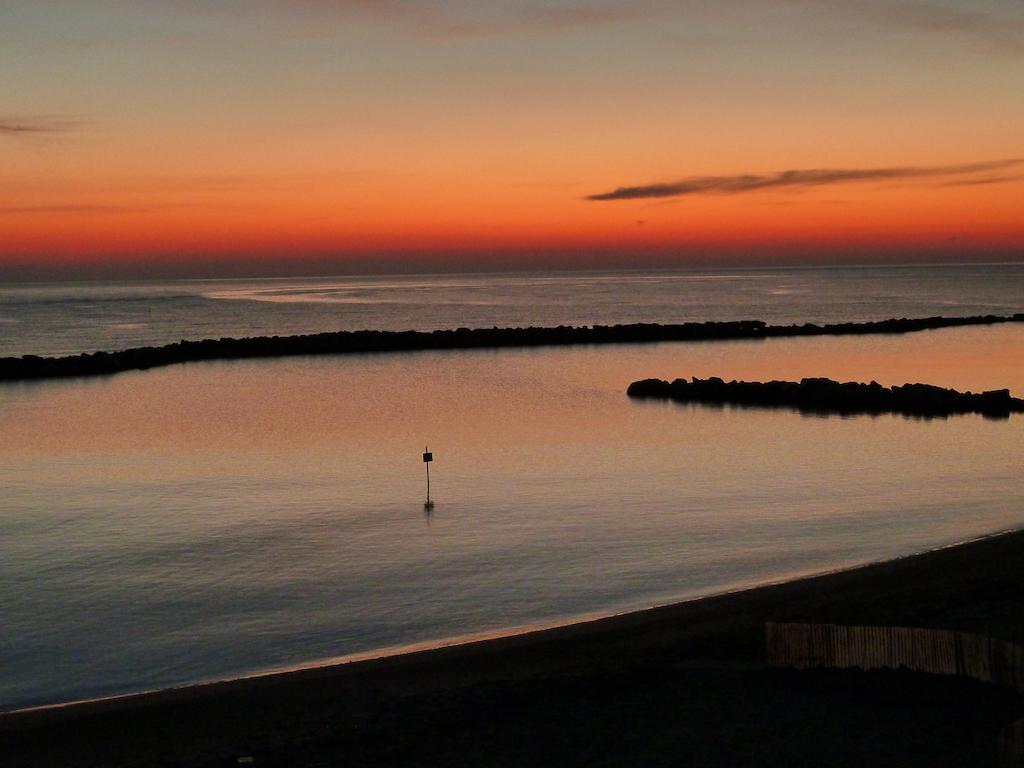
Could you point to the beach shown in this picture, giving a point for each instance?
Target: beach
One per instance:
(680, 684)
(521, 383)
(244, 520)
(208, 520)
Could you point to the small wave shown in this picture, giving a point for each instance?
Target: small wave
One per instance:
(361, 294)
(413, 291)
(77, 301)
(297, 297)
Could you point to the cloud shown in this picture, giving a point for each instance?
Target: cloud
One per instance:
(999, 27)
(20, 210)
(1001, 32)
(996, 27)
(528, 20)
(436, 18)
(732, 185)
(11, 125)
(544, 18)
(984, 180)
(88, 209)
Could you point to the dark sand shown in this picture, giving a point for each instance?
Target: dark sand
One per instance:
(679, 685)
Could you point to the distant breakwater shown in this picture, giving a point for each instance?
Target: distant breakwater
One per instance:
(33, 367)
(824, 396)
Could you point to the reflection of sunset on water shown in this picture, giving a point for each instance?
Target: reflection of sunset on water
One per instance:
(190, 192)
(556, 495)
(480, 397)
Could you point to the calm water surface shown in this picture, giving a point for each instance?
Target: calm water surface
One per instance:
(60, 319)
(213, 519)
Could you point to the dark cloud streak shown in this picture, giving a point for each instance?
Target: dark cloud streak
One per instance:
(20, 210)
(795, 179)
(985, 180)
(999, 32)
(433, 19)
(998, 28)
(36, 125)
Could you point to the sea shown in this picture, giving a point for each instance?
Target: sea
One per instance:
(220, 519)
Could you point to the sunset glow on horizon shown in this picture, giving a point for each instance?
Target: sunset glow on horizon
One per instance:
(357, 134)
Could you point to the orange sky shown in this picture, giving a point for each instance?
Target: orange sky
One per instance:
(304, 132)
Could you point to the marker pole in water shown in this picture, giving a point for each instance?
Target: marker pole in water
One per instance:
(427, 458)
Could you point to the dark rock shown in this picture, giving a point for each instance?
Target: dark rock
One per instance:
(817, 395)
(650, 388)
(358, 342)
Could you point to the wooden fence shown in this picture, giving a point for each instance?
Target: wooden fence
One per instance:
(1011, 745)
(935, 651)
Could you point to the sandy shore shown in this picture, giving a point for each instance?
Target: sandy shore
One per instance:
(681, 684)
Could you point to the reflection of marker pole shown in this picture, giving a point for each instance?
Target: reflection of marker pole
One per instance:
(427, 458)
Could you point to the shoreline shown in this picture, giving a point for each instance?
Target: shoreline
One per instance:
(642, 687)
(485, 641)
(36, 368)
(470, 639)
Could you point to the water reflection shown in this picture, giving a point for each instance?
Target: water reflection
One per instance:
(214, 518)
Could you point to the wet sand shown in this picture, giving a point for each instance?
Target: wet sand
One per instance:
(681, 684)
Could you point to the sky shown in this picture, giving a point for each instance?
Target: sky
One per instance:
(312, 136)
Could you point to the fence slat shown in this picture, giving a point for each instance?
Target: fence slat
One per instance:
(936, 651)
